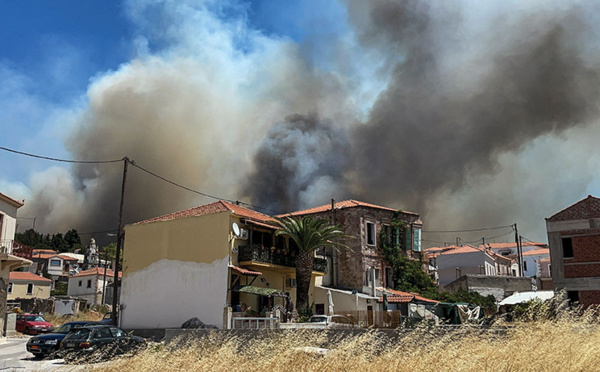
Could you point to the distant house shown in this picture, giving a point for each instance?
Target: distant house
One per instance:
(453, 262)
(574, 238)
(48, 261)
(531, 258)
(11, 258)
(91, 284)
(498, 286)
(23, 284)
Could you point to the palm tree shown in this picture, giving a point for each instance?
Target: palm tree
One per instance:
(309, 234)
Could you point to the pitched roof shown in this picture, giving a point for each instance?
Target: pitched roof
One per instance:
(27, 276)
(97, 271)
(13, 202)
(216, 207)
(584, 209)
(341, 205)
(461, 249)
(37, 251)
(536, 252)
(67, 258)
(394, 296)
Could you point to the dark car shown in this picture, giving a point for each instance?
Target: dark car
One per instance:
(33, 324)
(107, 319)
(91, 337)
(43, 345)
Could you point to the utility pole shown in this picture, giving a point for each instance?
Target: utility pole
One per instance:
(334, 258)
(519, 253)
(115, 300)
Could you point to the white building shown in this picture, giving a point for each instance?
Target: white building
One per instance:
(90, 284)
(8, 261)
(531, 258)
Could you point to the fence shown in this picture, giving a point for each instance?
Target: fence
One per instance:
(375, 319)
(254, 323)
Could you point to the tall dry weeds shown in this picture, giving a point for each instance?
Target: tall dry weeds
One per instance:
(569, 342)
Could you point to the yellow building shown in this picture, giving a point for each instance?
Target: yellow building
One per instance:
(197, 262)
(24, 284)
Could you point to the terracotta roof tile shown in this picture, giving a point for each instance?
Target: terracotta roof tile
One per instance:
(97, 271)
(462, 249)
(67, 258)
(341, 205)
(535, 252)
(395, 296)
(244, 271)
(216, 207)
(513, 245)
(24, 275)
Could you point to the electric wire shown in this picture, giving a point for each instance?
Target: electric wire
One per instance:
(466, 230)
(61, 160)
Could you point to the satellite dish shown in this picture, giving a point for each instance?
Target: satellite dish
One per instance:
(236, 229)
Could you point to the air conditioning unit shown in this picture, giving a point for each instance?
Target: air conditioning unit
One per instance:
(243, 234)
(292, 282)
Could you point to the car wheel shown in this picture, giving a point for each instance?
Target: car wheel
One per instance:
(38, 356)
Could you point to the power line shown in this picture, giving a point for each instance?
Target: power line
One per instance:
(97, 232)
(237, 202)
(61, 160)
(468, 230)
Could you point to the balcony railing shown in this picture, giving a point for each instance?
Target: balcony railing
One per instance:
(9, 246)
(266, 255)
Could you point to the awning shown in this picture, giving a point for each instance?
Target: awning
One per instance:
(260, 291)
(245, 271)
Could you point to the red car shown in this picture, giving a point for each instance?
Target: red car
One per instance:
(33, 324)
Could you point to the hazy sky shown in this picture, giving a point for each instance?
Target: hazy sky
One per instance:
(473, 114)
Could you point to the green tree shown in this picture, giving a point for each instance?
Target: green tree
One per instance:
(59, 243)
(60, 289)
(73, 240)
(309, 234)
(109, 252)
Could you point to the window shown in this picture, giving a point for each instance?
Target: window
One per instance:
(573, 296)
(117, 332)
(367, 276)
(10, 286)
(567, 245)
(417, 239)
(29, 288)
(524, 265)
(319, 309)
(89, 283)
(388, 234)
(80, 283)
(55, 263)
(370, 233)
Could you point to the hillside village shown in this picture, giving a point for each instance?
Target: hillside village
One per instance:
(224, 264)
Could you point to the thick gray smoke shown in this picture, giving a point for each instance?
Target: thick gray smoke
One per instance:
(435, 109)
(302, 160)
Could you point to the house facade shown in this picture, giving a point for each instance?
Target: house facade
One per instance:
(453, 262)
(57, 265)
(544, 274)
(9, 256)
(362, 267)
(202, 261)
(23, 284)
(91, 284)
(574, 238)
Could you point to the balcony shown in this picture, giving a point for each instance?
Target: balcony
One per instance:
(257, 253)
(6, 246)
(9, 246)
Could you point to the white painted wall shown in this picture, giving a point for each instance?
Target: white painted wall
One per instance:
(93, 295)
(185, 290)
(55, 270)
(531, 261)
(9, 221)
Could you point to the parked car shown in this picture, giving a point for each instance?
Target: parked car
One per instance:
(33, 324)
(333, 321)
(43, 345)
(107, 319)
(91, 337)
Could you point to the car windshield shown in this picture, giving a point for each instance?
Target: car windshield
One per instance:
(34, 318)
(65, 328)
(79, 334)
(317, 319)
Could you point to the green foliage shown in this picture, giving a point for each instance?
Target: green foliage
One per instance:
(486, 302)
(304, 314)
(60, 289)
(67, 243)
(109, 252)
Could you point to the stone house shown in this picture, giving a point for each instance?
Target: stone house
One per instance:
(362, 267)
(574, 238)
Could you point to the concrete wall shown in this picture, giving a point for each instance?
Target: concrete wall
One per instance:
(93, 295)
(19, 290)
(9, 220)
(468, 263)
(498, 286)
(342, 301)
(175, 270)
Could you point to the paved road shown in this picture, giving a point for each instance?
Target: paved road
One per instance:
(14, 357)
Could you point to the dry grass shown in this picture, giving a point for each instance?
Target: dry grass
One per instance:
(56, 321)
(568, 344)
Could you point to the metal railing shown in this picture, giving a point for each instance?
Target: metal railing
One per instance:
(254, 323)
(259, 253)
(6, 246)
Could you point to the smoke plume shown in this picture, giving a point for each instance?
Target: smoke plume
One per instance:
(460, 98)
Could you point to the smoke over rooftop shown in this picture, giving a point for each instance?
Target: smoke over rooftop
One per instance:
(464, 96)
